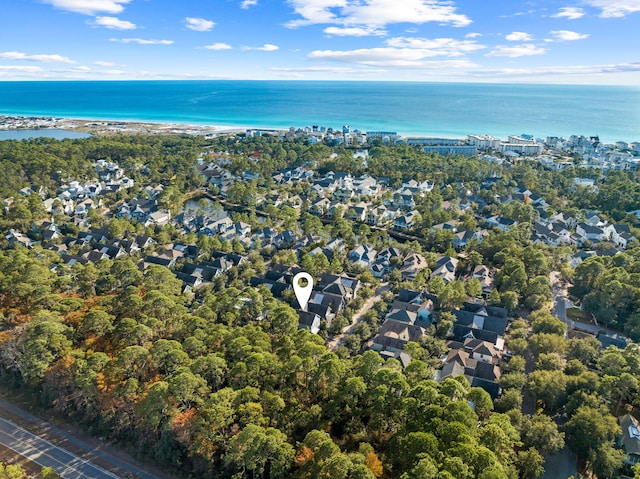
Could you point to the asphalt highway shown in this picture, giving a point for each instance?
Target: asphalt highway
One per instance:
(43, 453)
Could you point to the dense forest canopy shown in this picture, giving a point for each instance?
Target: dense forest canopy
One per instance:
(222, 383)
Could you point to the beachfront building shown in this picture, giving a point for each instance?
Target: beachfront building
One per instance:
(484, 142)
(432, 141)
(385, 136)
(464, 150)
(529, 148)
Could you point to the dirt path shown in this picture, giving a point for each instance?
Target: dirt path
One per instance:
(338, 340)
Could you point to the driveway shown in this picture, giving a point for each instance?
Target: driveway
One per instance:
(338, 339)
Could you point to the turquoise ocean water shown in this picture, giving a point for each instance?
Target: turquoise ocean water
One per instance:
(443, 109)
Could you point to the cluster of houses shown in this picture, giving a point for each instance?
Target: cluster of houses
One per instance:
(566, 229)
(476, 340)
(329, 296)
(592, 153)
(555, 152)
(408, 319)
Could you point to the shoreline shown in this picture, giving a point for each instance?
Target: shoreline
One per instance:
(114, 127)
(107, 127)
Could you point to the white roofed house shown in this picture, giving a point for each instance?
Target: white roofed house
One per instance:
(379, 215)
(462, 238)
(485, 276)
(16, 238)
(404, 199)
(320, 207)
(363, 254)
(83, 207)
(621, 235)
(357, 212)
(445, 268)
(413, 264)
(158, 218)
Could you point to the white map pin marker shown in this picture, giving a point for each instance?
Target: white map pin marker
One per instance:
(303, 293)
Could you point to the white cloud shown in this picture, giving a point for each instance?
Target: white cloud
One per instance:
(114, 23)
(389, 57)
(571, 13)
(35, 58)
(199, 24)
(563, 70)
(104, 64)
(518, 37)
(615, 8)
(435, 47)
(218, 46)
(78, 69)
(248, 3)
(20, 68)
(517, 51)
(354, 31)
(267, 47)
(142, 41)
(359, 71)
(473, 35)
(406, 52)
(89, 7)
(375, 13)
(519, 14)
(568, 36)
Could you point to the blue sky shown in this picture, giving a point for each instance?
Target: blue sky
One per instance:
(580, 41)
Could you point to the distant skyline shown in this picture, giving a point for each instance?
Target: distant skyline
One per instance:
(574, 42)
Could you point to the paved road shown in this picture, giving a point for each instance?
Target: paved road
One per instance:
(89, 449)
(560, 301)
(43, 453)
(338, 340)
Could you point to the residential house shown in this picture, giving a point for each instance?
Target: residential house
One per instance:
(393, 336)
(15, 238)
(403, 198)
(462, 238)
(358, 212)
(588, 232)
(621, 235)
(217, 225)
(157, 260)
(363, 254)
(406, 221)
(500, 222)
(320, 207)
(629, 441)
(478, 372)
(285, 239)
(412, 265)
(158, 218)
(378, 215)
(480, 322)
(309, 320)
(83, 207)
(345, 286)
(383, 261)
(485, 275)
(445, 268)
